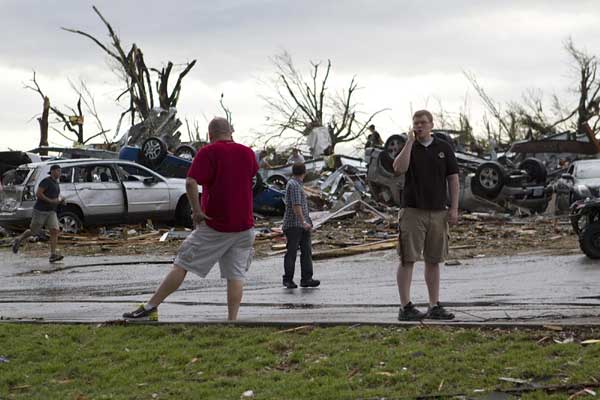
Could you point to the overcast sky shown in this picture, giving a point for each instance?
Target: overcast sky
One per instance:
(406, 55)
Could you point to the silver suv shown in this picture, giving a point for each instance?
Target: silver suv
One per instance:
(96, 192)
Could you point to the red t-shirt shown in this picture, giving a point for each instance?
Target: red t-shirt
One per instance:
(225, 170)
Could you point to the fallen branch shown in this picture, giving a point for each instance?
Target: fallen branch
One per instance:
(352, 250)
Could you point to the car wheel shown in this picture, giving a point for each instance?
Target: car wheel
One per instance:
(154, 150)
(184, 213)
(69, 222)
(278, 181)
(185, 151)
(589, 240)
(488, 180)
(392, 147)
(535, 170)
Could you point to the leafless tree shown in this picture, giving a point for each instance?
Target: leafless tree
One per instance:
(531, 118)
(136, 75)
(72, 123)
(588, 89)
(226, 110)
(300, 104)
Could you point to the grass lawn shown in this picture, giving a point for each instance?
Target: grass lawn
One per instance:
(222, 362)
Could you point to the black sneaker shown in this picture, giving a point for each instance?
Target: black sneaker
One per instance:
(142, 314)
(410, 313)
(15, 246)
(439, 312)
(290, 284)
(56, 257)
(310, 283)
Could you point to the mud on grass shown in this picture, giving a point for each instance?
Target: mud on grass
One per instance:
(222, 362)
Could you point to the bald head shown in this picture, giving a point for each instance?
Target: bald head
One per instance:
(219, 129)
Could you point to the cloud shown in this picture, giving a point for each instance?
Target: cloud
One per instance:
(403, 53)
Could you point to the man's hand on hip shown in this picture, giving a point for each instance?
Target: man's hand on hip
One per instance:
(199, 217)
(453, 216)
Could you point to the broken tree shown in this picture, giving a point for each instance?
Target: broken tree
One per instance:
(136, 76)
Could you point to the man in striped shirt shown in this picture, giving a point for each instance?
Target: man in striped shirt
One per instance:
(297, 226)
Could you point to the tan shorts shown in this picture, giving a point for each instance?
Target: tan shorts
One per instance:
(422, 232)
(39, 219)
(204, 247)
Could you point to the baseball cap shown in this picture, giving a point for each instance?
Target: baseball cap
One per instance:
(219, 126)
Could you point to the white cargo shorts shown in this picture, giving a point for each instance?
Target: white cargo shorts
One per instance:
(204, 247)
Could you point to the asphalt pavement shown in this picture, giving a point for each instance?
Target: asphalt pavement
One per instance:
(533, 289)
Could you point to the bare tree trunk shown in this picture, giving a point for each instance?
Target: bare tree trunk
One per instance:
(43, 121)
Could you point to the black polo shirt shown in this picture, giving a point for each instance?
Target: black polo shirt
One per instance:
(425, 186)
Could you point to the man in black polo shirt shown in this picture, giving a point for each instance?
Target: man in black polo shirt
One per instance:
(430, 167)
(48, 198)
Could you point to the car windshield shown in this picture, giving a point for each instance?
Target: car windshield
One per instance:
(15, 177)
(588, 171)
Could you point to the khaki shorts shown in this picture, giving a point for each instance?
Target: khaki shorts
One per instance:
(39, 219)
(204, 247)
(422, 232)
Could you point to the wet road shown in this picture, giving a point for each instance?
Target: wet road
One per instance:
(533, 289)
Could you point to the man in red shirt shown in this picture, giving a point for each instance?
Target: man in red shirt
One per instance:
(224, 222)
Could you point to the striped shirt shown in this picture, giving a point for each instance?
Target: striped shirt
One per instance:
(295, 196)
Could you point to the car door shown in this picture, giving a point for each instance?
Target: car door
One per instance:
(147, 193)
(100, 192)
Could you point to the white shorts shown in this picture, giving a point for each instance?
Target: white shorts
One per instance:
(204, 247)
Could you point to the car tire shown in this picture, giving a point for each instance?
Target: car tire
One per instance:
(183, 215)
(69, 221)
(488, 180)
(535, 169)
(589, 240)
(153, 151)
(392, 147)
(185, 151)
(278, 181)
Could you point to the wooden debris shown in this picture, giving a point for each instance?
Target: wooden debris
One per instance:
(303, 328)
(363, 248)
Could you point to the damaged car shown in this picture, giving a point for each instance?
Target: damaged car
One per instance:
(580, 182)
(96, 192)
(483, 181)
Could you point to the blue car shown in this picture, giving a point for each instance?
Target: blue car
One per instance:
(154, 155)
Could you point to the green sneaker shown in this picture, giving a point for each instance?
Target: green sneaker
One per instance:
(142, 314)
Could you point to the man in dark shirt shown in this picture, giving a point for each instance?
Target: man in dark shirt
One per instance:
(374, 138)
(223, 219)
(44, 213)
(430, 167)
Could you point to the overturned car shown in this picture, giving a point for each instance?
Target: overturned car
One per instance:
(483, 181)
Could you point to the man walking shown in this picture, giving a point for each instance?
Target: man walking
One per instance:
(296, 227)
(430, 167)
(48, 199)
(223, 223)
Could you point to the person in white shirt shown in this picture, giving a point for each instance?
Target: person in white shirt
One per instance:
(296, 157)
